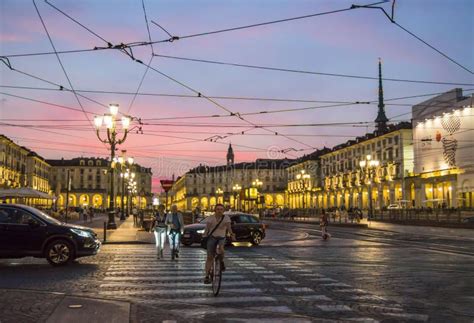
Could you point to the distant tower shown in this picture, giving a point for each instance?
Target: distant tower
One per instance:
(230, 156)
(381, 120)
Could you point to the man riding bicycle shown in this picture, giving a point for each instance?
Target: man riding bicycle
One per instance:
(217, 227)
(175, 223)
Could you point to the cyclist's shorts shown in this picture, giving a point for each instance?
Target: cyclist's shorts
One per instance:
(212, 243)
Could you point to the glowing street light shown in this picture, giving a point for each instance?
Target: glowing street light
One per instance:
(112, 138)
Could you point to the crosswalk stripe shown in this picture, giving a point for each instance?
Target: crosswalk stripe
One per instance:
(247, 291)
(334, 308)
(336, 285)
(316, 298)
(273, 276)
(298, 289)
(166, 278)
(284, 282)
(176, 284)
(162, 272)
(198, 312)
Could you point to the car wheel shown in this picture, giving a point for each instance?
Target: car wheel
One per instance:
(59, 253)
(256, 238)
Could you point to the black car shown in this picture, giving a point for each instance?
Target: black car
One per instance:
(26, 231)
(247, 228)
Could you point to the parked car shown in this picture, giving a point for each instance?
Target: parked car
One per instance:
(394, 207)
(247, 228)
(26, 231)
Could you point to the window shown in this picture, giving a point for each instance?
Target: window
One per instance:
(396, 140)
(252, 219)
(14, 216)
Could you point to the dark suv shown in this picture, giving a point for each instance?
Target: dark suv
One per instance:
(26, 231)
(247, 228)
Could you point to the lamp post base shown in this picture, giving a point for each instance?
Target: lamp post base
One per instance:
(111, 222)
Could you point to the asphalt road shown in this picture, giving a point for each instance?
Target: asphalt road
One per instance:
(294, 276)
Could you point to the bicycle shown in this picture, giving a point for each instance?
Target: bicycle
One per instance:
(216, 273)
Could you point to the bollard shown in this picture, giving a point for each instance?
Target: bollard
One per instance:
(105, 231)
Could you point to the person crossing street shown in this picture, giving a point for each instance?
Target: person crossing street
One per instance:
(174, 221)
(159, 230)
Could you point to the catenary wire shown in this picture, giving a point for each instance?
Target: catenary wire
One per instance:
(278, 69)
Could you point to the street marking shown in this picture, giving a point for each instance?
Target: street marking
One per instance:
(322, 279)
(273, 309)
(176, 284)
(288, 282)
(162, 272)
(263, 271)
(298, 289)
(273, 276)
(336, 285)
(237, 299)
(334, 308)
(351, 290)
(181, 291)
(166, 278)
(362, 319)
(415, 317)
(368, 298)
(315, 298)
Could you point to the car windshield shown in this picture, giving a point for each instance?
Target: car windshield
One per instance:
(42, 215)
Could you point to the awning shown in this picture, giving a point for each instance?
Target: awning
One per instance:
(26, 192)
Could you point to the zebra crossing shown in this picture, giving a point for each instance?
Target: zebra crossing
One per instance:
(255, 287)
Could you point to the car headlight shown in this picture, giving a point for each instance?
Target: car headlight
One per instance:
(82, 233)
(200, 231)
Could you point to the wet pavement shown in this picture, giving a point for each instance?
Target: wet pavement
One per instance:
(294, 276)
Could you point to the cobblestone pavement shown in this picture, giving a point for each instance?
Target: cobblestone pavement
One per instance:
(294, 276)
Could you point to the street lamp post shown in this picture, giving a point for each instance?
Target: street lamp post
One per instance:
(367, 166)
(219, 191)
(257, 183)
(303, 178)
(125, 171)
(112, 139)
(236, 188)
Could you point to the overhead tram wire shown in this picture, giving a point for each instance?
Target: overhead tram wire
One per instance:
(227, 97)
(61, 63)
(173, 38)
(149, 63)
(278, 69)
(217, 103)
(392, 20)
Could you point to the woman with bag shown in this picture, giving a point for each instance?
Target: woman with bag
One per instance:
(217, 227)
(159, 229)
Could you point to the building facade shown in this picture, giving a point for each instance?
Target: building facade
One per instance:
(89, 180)
(305, 180)
(13, 160)
(38, 173)
(386, 178)
(444, 153)
(245, 186)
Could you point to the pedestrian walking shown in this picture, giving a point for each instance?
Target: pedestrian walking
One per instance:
(323, 223)
(135, 216)
(83, 214)
(159, 230)
(91, 214)
(175, 223)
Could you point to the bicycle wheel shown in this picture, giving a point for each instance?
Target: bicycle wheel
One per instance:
(216, 275)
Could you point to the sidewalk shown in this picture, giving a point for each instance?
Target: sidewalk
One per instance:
(440, 232)
(126, 232)
(418, 229)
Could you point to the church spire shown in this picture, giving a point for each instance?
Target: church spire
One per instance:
(230, 156)
(381, 120)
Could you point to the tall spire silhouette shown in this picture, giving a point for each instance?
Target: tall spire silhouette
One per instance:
(381, 120)
(230, 156)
